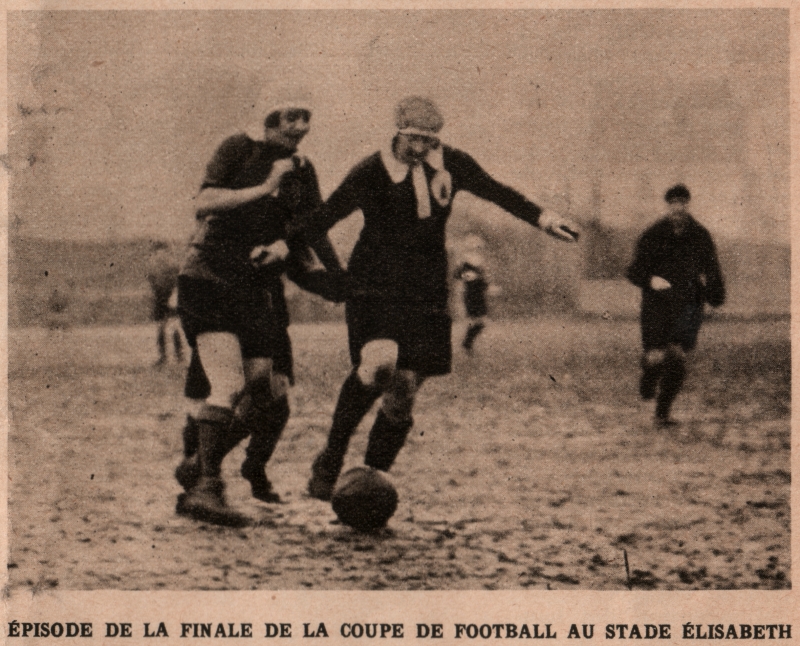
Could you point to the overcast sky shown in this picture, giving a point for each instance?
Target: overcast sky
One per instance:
(114, 115)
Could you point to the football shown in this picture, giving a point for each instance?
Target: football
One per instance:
(364, 499)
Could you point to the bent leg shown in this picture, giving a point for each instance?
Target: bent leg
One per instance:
(358, 394)
(673, 376)
(652, 366)
(263, 414)
(200, 474)
(476, 326)
(394, 421)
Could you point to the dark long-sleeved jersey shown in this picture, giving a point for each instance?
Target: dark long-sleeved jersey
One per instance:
(688, 261)
(399, 255)
(221, 246)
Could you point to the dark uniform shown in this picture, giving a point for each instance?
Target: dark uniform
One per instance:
(475, 288)
(221, 288)
(398, 290)
(686, 258)
(688, 261)
(398, 269)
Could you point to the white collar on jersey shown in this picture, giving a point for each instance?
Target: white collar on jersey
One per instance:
(399, 170)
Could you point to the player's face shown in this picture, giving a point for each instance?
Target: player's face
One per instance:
(293, 126)
(677, 213)
(412, 149)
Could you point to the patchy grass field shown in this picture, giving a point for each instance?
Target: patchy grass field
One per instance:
(533, 465)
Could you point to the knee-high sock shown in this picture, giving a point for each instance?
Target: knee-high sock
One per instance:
(265, 424)
(177, 344)
(672, 377)
(472, 333)
(355, 400)
(386, 439)
(651, 373)
(214, 439)
(190, 437)
(161, 342)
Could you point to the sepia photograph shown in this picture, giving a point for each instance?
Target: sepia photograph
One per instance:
(405, 300)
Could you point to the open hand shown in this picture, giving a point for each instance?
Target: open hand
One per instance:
(558, 226)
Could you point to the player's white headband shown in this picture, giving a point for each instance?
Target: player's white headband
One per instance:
(418, 131)
(283, 107)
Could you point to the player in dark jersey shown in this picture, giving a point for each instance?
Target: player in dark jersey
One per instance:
(676, 267)
(398, 323)
(232, 306)
(471, 273)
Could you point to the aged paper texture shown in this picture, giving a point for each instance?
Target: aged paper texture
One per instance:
(601, 448)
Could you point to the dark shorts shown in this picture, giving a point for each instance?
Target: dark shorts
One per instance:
(253, 315)
(423, 337)
(475, 305)
(475, 300)
(161, 310)
(666, 322)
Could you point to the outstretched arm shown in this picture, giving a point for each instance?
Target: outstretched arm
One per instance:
(478, 182)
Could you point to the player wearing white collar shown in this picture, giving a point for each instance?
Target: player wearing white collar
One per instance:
(398, 322)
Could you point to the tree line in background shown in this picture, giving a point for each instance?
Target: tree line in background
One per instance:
(58, 283)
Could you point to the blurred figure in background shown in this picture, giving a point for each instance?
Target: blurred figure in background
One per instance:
(676, 267)
(162, 276)
(471, 271)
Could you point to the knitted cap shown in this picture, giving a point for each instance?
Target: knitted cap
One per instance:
(276, 99)
(678, 193)
(417, 115)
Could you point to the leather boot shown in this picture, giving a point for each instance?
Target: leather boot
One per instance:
(205, 501)
(355, 400)
(266, 428)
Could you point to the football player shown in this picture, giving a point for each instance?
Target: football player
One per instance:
(677, 269)
(398, 323)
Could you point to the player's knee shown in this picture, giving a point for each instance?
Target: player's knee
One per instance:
(654, 357)
(258, 395)
(398, 401)
(279, 385)
(378, 361)
(675, 353)
(221, 359)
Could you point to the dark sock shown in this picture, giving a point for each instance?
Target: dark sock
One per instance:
(472, 333)
(214, 442)
(385, 441)
(190, 437)
(266, 426)
(672, 377)
(649, 379)
(355, 400)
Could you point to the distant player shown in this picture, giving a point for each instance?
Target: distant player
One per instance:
(677, 269)
(233, 309)
(398, 322)
(471, 273)
(162, 275)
